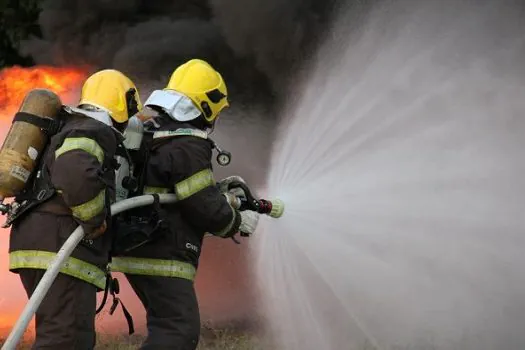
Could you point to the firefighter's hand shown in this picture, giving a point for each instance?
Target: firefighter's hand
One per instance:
(98, 231)
(232, 200)
(249, 221)
(224, 183)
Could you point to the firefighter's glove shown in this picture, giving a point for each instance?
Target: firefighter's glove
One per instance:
(249, 220)
(224, 183)
(233, 200)
(97, 232)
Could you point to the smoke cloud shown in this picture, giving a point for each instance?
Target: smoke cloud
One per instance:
(257, 45)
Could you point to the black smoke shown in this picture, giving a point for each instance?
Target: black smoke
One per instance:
(258, 45)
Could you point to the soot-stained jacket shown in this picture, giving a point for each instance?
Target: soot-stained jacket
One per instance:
(79, 163)
(180, 163)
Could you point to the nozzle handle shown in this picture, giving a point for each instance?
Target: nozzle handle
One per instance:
(251, 202)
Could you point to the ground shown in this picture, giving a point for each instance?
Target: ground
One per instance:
(211, 339)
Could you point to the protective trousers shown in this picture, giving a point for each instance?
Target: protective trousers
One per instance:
(66, 317)
(172, 312)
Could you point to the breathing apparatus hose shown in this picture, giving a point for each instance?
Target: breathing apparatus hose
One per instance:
(63, 254)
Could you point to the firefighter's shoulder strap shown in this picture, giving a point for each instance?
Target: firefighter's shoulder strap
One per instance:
(140, 160)
(47, 125)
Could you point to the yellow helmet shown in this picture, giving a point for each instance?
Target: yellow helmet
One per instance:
(203, 85)
(113, 92)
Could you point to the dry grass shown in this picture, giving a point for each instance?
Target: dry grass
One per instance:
(220, 340)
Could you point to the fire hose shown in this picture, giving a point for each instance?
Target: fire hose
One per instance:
(261, 206)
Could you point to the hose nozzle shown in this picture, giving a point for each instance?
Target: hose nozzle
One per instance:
(273, 208)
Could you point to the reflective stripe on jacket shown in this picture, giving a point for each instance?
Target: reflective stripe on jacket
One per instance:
(34, 259)
(187, 187)
(153, 267)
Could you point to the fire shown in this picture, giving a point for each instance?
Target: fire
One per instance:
(16, 81)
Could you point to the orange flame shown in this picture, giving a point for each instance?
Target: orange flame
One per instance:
(16, 81)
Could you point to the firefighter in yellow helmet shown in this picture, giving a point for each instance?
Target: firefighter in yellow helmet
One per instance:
(75, 187)
(161, 268)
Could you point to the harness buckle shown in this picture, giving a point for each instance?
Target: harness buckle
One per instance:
(41, 195)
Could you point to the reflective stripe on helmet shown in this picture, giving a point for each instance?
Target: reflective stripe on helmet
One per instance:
(91, 208)
(153, 267)
(195, 183)
(153, 190)
(81, 143)
(35, 259)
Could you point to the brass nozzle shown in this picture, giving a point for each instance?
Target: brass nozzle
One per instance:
(277, 208)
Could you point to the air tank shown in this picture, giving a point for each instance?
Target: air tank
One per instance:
(132, 140)
(25, 141)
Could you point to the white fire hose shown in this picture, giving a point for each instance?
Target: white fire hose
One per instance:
(63, 254)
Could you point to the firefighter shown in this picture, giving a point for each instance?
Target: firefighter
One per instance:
(162, 271)
(79, 169)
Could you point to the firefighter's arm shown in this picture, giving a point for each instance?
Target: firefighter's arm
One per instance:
(77, 174)
(200, 201)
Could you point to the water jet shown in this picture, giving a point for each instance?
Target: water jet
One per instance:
(400, 163)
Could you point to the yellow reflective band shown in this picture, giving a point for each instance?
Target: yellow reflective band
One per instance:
(35, 259)
(91, 208)
(153, 190)
(81, 143)
(180, 132)
(153, 267)
(195, 183)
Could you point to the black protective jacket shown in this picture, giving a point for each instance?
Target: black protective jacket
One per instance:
(181, 165)
(80, 164)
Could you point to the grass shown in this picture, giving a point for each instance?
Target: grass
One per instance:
(210, 340)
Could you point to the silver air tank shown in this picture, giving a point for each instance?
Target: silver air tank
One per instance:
(132, 140)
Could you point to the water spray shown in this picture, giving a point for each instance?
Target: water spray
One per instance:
(402, 159)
